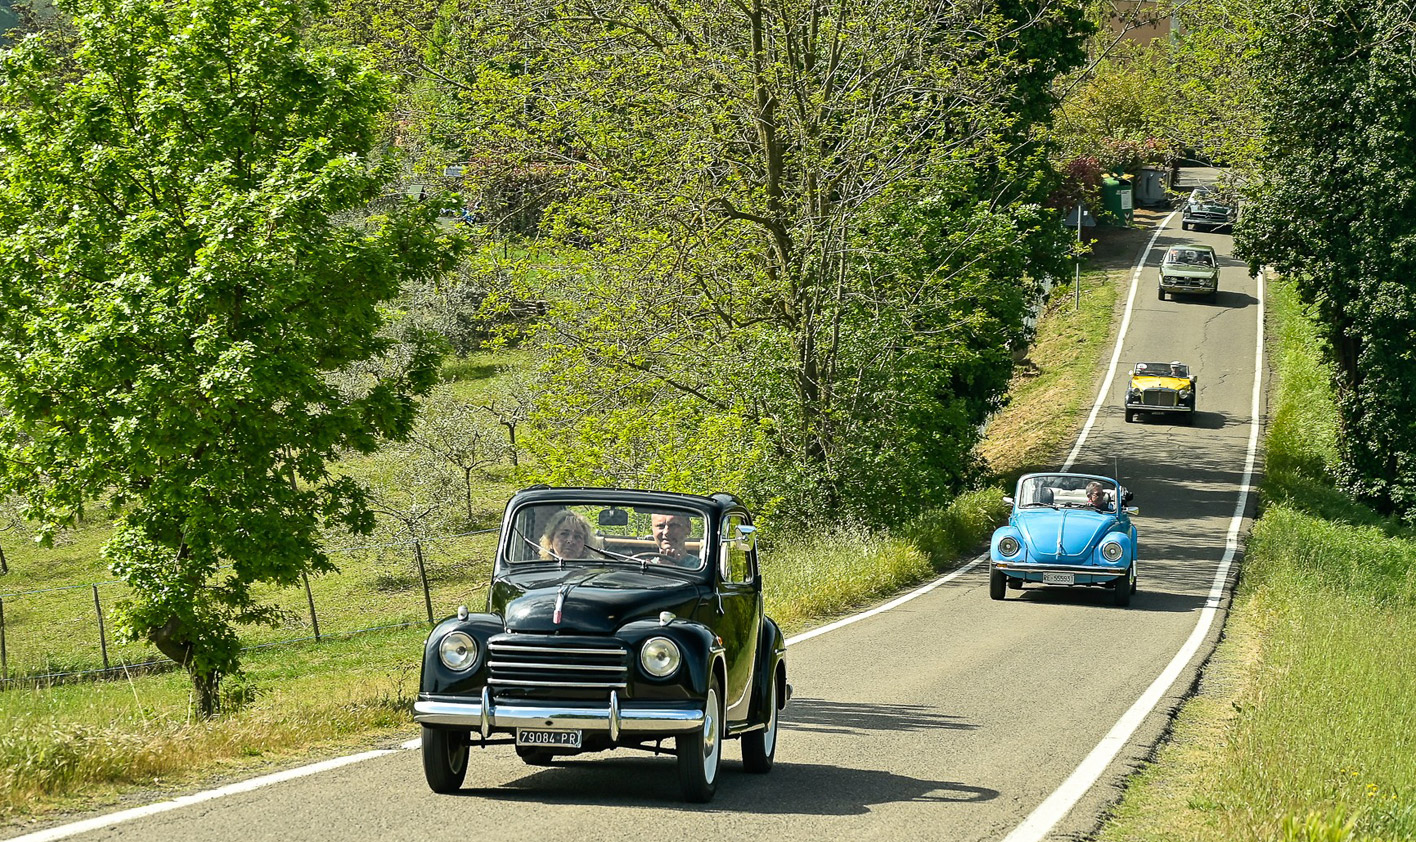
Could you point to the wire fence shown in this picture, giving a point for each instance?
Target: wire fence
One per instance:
(55, 635)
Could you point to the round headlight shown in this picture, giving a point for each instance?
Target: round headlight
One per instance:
(1111, 551)
(458, 650)
(660, 657)
(1008, 546)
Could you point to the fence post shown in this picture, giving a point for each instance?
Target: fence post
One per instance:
(102, 633)
(4, 664)
(423, 574)
(310, 598)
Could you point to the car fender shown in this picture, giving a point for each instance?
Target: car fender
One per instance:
(1002, 532)
(436, 678)
(771, 653)
(1127, 549)
(701, 648)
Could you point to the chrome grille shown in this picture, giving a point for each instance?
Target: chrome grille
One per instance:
(1159, 397)
(557, 663)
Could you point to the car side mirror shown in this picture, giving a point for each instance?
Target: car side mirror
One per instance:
(745, 536)
(1008, 500)
(613, 517)
(1133, 510)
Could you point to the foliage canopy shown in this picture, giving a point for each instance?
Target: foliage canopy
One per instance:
(1338, 214)
(810, 230)
(173, 294)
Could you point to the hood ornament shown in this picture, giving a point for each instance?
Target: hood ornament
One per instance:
(560, 603)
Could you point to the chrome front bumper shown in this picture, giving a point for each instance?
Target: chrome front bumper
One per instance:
(1172, 283)
(1079, 569)
(1146, 407)
(483, 716)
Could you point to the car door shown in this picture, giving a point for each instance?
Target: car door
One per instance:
(740, 598)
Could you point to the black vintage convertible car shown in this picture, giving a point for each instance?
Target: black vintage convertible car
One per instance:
(615, 619)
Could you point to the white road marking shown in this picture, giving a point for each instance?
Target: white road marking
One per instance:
(1047, 814)
(894, 603)
(1120, 341)
(67, 830)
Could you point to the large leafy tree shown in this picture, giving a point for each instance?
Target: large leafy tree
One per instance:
(1338, 214)
(746, 313)
(174, 291)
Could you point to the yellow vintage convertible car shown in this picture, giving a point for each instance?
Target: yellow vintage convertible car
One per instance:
(1161, 388)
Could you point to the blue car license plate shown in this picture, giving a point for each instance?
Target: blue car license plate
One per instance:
(547, 739)
(1051, 578)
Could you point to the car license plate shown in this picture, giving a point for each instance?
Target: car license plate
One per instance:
(1050, 578)
(552, 739)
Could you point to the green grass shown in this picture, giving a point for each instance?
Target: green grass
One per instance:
(1057, 382)
(1305, 726)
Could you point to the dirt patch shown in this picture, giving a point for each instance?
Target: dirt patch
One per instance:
(1116, 248)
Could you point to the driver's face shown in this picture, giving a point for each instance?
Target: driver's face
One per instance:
(670, 533)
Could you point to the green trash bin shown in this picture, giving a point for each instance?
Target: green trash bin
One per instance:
(1116, 200)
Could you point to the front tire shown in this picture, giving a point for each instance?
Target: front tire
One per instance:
(997, 584)
(1161, 292)
(444, 759)
(1130, 415)
(1124, 587)
(700, 753)
(759, 748)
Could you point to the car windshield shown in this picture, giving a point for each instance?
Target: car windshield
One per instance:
(1067, 491)
(1162, 370)
(1190, 256)
(597, 533)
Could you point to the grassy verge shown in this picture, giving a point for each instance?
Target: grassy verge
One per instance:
(1303, 728)
(77, 744)
(1057, 381)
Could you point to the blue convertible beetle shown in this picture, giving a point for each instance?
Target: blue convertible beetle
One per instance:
(1066, 529)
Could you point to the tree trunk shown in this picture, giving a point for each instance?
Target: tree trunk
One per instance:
(4, 567)
(171, 640)
(467, 488)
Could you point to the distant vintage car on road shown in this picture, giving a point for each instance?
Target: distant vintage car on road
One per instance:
(1208, 207)
(1189, 268)
(615, 619)
(1066, 529)
(1162, 389)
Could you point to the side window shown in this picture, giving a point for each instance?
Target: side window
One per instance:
(735, 551)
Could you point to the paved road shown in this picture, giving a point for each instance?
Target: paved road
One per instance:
(951, 717)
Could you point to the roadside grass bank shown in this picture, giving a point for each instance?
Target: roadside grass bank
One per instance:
(83, 745)
(1304, 727)
(1056, 382)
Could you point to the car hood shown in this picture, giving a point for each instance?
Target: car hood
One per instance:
(1147, 382)
(1063, 536)
(596, 601)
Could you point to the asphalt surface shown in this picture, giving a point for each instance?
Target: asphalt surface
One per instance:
(951, 717)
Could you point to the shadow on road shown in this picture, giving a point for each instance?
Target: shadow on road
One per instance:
(790, 788)
(844, 717)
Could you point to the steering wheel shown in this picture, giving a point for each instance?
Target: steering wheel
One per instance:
(653, 554)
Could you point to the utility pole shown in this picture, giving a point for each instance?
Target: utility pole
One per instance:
(1079, 257)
